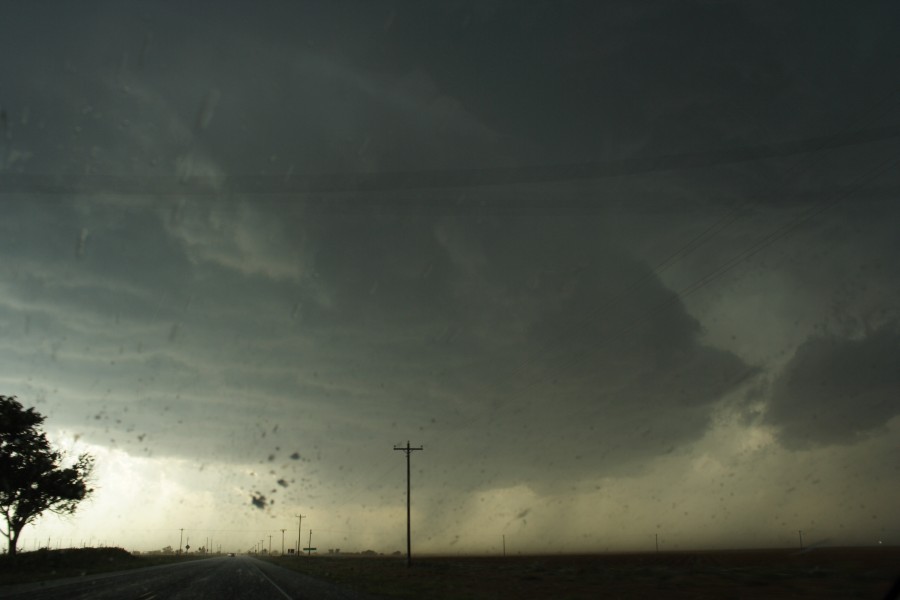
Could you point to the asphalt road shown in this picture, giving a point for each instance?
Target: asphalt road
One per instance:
(238, 578)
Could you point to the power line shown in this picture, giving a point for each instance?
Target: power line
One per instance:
(815, 146)
(761, 244)
(52, 184)
(754, 248)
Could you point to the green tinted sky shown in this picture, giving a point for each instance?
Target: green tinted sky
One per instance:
(698, 340)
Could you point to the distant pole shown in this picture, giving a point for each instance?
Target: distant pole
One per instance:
(299, 524)
(408, 450)
(800, 531)
(309, 545)
(504, 545)
(282, 542)
(657, 543)
(270, 545)
(180, 540)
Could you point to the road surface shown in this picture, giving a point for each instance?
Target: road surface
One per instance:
(237, 578)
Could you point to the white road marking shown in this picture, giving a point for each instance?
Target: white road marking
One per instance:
(275, 585)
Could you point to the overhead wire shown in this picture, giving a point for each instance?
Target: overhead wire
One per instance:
(732, 216)
(761, 244)
(526, 365)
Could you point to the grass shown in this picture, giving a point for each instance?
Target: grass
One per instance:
(771, 574)
(825, 573)
(44, 565)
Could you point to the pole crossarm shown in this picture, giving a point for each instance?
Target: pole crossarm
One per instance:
(407, 448)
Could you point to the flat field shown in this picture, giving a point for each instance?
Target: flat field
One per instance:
(46, 565)
(772, 574)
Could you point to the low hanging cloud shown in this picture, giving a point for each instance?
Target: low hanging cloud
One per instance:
(235, 235)
(837, 390)
(455, 329)
(488, 329)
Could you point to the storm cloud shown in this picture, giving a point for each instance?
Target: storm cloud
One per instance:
(837, 390)
(619, 267)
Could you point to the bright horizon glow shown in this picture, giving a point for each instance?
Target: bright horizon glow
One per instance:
(140, 503)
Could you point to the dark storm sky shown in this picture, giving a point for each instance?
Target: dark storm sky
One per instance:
(231, 234)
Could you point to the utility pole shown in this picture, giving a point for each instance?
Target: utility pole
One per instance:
(299, 524)
(800, 531)
(408, 450)
(309, 546)
(657, 543)
(282, 542)
(180, 540)
(504, 544)
(270, 545)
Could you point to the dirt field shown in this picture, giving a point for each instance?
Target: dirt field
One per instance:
(822, 573)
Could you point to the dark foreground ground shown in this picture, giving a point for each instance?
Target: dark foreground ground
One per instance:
(44, 565)
(216, 578)
(822, 573)
(113, 573)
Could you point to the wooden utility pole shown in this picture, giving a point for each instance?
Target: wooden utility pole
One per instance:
(408, 450)
(299, 524)
(282, 542)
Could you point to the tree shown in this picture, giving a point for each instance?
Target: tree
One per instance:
(32, 478)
